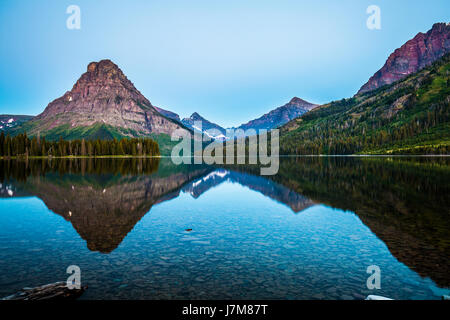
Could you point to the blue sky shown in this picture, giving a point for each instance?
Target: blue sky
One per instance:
(231, 61)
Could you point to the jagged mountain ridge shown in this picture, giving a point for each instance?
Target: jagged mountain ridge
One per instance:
(281, 115)
(271, 120)
(414, 55)
(207, 126)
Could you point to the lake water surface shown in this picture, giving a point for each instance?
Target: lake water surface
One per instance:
(148, 229)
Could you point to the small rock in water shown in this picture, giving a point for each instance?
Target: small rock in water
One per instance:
(375, 297)
(137, 269)
(201, 242)
(359, 296)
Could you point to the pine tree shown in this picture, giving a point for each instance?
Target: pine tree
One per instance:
(43, 150)
(90, 149)
(2, 144)
(120, 151)
(8, 149)
(83, 148)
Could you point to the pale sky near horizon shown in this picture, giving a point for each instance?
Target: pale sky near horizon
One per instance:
(230, 61)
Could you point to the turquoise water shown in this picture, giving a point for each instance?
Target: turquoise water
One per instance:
(251, 237)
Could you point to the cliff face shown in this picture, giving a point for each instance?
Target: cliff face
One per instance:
(281, 115)
(417, 53)
(104, 95)
(168, 114)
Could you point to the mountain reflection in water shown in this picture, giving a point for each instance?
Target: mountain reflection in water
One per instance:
(404, 201)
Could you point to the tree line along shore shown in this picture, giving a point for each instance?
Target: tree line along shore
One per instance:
(24, 146)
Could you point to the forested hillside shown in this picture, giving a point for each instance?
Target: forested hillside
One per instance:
(407, 117)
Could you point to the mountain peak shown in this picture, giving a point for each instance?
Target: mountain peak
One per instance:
(440, 25)
(414, 55)
(281, 115)
(195, 115)
(206, 125)
(296, 100)
(105, 70)
(101, 65)
(104, 95)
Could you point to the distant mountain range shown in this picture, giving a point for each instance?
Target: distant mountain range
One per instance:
(9, 121)
(273, 119)
(103, 103)
(281, 115)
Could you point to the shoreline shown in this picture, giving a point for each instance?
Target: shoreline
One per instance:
(281, 156)
(76, 157)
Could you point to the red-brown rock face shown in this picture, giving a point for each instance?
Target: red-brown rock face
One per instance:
(417, 53)
(104, 95)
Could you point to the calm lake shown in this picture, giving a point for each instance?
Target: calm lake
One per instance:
(148, 229)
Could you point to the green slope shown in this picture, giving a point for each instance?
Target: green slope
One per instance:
(408, 117)
(96, 131)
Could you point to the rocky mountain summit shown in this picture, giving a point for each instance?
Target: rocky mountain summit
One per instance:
(281, 115)
(207, 126)
(102, 99)
(414, 55)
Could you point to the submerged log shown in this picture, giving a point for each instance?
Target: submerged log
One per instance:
(52, 291)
